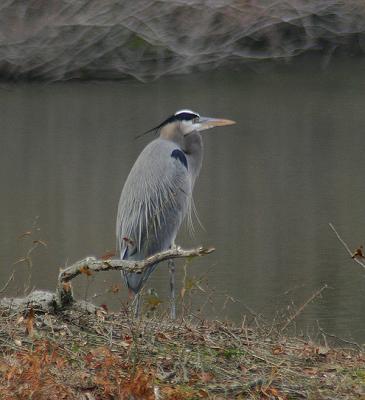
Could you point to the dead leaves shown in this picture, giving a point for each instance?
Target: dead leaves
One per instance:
(107, 255)
(66, 286)
(273, 393)
(139, 386)
(127, 342)
(85, 270)
(29, 322)
(206, 377)
(158, 360)
(115, 288)
(30, 374)
(162, 336)
(358, 253)
(278, 349)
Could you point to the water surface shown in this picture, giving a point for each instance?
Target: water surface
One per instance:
(267, 191)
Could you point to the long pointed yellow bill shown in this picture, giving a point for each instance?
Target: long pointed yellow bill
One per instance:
(207, 122)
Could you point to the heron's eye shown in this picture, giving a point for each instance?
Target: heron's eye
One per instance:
(196, 120)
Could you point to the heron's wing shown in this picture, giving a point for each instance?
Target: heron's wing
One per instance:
(153, 203)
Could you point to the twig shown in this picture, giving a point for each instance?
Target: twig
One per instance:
(340, 339)
(356, 259)
(7, 283)
(302, 307)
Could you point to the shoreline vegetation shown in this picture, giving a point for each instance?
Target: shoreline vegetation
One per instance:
(97, 355)
(56, 347)
(59, 40)
(84, 352)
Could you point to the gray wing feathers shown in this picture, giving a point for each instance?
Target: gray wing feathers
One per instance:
(153, 203)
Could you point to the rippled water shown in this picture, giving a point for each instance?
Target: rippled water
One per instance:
(267, 191)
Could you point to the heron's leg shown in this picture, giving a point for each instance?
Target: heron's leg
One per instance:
(137, 305)
(171, 265)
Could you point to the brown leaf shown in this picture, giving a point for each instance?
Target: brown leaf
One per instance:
(4, 367)
(128, 241)
(29, 322)
(278, 349)
(161, 336)
(273, 393)
(89, 358)
(127, 341)
(358, 253)
(203, 394)
(66, 286)
(107, 255)
(206, 377)
(310, 371)
(85, 270)
(115, 288)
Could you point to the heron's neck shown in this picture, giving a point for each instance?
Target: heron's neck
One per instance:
(193, 148)
(172, 132)
(191, 144)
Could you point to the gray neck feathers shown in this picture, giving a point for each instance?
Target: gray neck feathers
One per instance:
(193, 148)
(191, 144)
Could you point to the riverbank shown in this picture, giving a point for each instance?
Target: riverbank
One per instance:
(88, 39)
(113, 356)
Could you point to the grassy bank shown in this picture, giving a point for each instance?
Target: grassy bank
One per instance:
(112, 356)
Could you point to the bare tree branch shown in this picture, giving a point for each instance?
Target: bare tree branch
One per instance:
(353, 256)
(63, 298)
(91, 264)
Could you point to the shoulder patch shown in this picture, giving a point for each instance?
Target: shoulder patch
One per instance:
(179, 155)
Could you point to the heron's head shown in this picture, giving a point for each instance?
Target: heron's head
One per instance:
(184, 122)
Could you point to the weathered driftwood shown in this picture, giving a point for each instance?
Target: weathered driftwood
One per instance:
(63, 298)
(43, 301)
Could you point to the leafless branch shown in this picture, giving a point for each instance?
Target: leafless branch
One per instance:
(353, 257)
(340, 339)
(303, 306)
(90, 265)
(11, 278)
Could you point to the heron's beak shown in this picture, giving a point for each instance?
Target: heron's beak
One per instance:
(207, 123)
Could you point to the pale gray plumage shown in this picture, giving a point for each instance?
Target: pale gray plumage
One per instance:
(157, 194)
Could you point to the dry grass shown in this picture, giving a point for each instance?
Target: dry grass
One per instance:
(113, 356)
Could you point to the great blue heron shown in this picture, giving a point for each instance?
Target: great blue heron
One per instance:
(157, 194)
